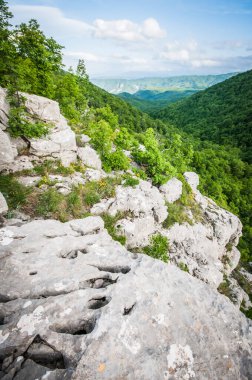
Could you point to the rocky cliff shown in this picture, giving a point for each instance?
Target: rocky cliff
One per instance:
(76, 304)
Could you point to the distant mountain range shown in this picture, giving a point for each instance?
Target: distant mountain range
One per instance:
(176, 83)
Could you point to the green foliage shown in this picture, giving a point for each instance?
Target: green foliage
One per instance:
(158, 248)
(91, 198)
(110, 222)
(183, 267)
(157, 167)
(185, 209)
(151, 100)
(222, 114)
(124, 139)
(20, 124)
(130, 181)
(115, 161)
(14, 192)
(49, 202)
(139, 173)
(177, 213)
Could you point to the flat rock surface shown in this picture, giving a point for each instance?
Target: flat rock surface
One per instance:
(78, 305)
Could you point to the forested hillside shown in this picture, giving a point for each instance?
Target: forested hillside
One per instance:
(222, 114)
(149, 101)
(32, 62)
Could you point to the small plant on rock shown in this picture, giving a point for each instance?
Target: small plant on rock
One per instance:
(158, 248)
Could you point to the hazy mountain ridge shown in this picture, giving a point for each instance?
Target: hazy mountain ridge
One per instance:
(175, 83)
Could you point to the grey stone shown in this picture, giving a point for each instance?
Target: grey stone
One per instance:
(103, 313)
(20, 163)
(172, 190)
(85, 139)
(94, 175)
(6, 152)
(3, 204)
(29, 181)
(4, 109)
(144, 208)
(89, 157)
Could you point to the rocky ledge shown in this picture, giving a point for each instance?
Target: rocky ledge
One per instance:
(78, 305)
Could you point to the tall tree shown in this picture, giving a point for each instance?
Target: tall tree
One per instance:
(38, 58)
(6, 45)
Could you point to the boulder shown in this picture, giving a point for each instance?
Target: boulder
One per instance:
(3, 204)
(144, 209)
(94, 175)
(20, 163)
(4, 109)
(192, 179)
(29, 181)
(6, 151)
(58, 144)
(137, 231)
(78, 305)
(208, 248)
(89, 157)
(43, 108)
(84, 139)
(172, 190)
(141, 200)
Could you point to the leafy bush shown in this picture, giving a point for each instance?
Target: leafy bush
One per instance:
(115, 161)
(130, 181)
(21, 123)
(155, 163)
(158, 249)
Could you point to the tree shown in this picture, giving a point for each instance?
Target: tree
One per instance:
(81, 71)
(37, 59)
(6, 44)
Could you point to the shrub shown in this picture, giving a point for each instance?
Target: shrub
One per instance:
(49, 202)
(176, 214)
(91, 198)
(158, 249)
(115, 161)
(154, 161)
(14, 192)
(21, 123)
(130, 181)
(109, 222)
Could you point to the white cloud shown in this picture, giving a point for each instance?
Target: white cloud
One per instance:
(204, 63)
(187, 54)
(85, 55)
(53, 17)
(127, 30)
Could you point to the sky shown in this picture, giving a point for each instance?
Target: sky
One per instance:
(137, 38)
